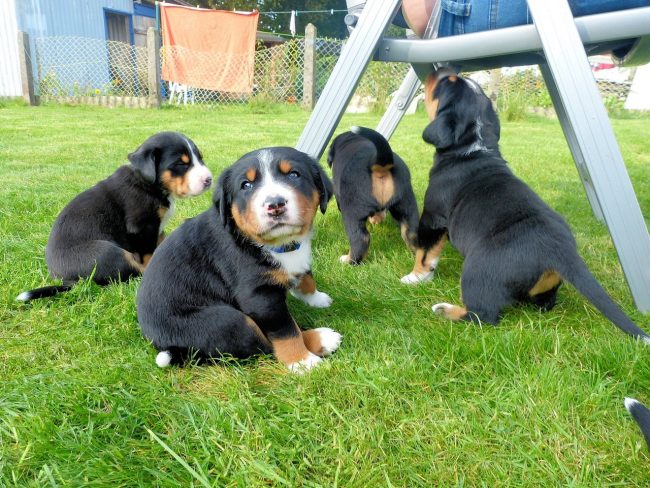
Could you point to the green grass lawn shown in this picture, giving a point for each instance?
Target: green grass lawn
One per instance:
(408, 400)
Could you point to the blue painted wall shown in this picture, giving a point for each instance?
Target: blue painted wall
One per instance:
(70, 18)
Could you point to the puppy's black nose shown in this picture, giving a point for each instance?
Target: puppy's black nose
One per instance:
(275, 205)
(207, 181)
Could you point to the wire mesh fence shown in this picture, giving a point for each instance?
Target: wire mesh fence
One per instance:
(84, 67)
(106, 72)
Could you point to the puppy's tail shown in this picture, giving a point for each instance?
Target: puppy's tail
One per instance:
(384, 152)
(46, 291)
(641, 415)
(575, 271)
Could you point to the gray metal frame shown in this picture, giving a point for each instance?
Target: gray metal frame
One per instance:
(556, 43)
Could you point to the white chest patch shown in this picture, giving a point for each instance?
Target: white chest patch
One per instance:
(295, 262)
(168, 215)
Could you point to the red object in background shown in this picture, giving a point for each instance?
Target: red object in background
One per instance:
(211, 49)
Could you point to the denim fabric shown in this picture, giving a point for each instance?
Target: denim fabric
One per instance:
(465, 16)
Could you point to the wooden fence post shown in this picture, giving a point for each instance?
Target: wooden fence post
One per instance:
(25, 61)
(153, 67)
(309, 73)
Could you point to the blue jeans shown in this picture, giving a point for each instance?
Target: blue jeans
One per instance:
(465, 16)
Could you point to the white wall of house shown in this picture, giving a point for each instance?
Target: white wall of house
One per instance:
(10, 84)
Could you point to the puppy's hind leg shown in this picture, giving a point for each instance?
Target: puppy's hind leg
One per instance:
(484, 296)
(405, 212)
(108, 261)
(359, 239)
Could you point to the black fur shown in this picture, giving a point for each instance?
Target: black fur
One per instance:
(351, 157)
(507, 234)
(641, 415)
(106, 231)
(208, 278)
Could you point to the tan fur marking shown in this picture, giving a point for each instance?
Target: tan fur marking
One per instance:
(382, 169)
(307, 209)
(135, 264)
(291, 349)
(430, 104)
(409, 237)
(377, 218)
(454, 313)
(185, 158)
(258, 332)
(285, 166)
(177, 185)
(279, 277)
(424, 259)
(162, 211)
(383, 186)
(549, 279)
(453, 79)
(312, 341)
(145, 259)
(251, 174)
(247, 223)
(307, 285)
(161, 237)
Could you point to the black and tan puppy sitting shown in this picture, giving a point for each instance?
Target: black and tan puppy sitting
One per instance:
(516, 248)
(110, 231)
(369, 178)
(217, 285)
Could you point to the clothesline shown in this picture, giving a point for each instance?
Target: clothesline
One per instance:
(298, 12)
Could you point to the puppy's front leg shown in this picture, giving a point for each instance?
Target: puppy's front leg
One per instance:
(306, 291)
(430, 246)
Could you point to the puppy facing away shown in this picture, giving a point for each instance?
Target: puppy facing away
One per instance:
(110, 231)
(641, 416)
(217, 285)
(369, 178)
(516, 248)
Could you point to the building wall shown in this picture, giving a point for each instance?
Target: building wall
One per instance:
(10, 84)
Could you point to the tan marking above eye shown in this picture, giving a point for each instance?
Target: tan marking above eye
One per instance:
(453, 79)
(251, 174)
(285, 166)
(185, 158)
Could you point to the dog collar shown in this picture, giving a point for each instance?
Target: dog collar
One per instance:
(290, 247)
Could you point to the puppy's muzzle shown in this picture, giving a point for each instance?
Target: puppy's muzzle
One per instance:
(275, 206)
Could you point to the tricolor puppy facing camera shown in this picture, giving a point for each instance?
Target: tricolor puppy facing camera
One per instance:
(370, 179)
(111, 230)
(217, 285)
(516, 248)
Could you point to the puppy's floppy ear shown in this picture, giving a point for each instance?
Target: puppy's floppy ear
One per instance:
(441, 132)
(322, 182)
(144, 160)
(222, 196)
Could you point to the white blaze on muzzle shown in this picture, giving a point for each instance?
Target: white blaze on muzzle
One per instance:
(199, 177)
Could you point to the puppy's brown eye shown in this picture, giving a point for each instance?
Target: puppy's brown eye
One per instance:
(246, 185)
(293, 174)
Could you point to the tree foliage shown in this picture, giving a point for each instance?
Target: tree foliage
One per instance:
(328, 25)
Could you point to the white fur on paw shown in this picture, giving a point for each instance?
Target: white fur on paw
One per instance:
(163, 359)
(345, 259)
(441, 308)
(300, 367)
(413, 278)
(330, 340)
(317, 299)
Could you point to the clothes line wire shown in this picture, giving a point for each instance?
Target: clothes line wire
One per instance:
(298, 12)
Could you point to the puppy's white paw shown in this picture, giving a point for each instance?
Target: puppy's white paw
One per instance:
(300, 367)
(318, 299)
(441, 308)
(413, 278)
(330, 340)
(345, 259)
